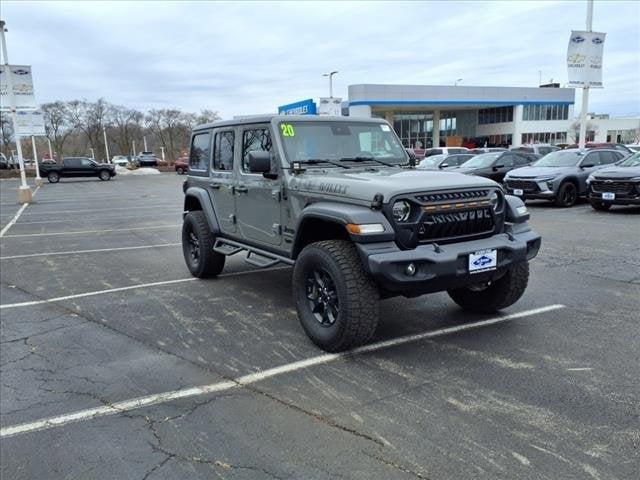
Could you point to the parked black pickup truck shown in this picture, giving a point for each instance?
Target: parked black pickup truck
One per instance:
(78, 167)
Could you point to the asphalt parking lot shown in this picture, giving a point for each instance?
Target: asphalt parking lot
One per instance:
(116, 363)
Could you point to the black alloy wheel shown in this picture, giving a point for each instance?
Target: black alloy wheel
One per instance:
(322, 296)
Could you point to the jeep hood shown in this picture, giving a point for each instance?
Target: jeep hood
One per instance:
(364, 183)
(535, 172)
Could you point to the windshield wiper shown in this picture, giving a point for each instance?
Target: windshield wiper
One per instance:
(367, 159)
(315, 161)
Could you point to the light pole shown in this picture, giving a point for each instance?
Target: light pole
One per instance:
(92, 154)
(455, 84)
(24, 192)
(106, 143)
(50, 150)
(585, 89)
(162, 150)
(35, 159)
(144, 139)
(330, 75)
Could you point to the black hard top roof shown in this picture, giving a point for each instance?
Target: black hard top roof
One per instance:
(291, 118)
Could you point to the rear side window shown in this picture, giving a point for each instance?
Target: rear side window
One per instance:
(252, 140)
(223, 151)
(72, 162)
(200, 152)
(608, 157)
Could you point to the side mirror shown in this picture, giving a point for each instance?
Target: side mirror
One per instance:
(444, 165)
(496, 167)
(259, 162)
(587, 165)
(412, 156)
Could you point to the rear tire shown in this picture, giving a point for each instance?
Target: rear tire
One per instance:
(337, 302)
(499, 294)
(197, 246)
(53, 177)
(567, 195)
(600, 205)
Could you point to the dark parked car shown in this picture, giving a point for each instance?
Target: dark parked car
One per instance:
(146, 159)
(495, 165)
(77, 167)
(559, 176)
(444, 150)
(541, 149)
(443, 162)
(477, 151)
(615, 185)
(182, 165)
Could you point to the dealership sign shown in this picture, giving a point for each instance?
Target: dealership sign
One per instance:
(584, 59)
(30, 123)
(330, 106)
(22, 83)
(304, 107)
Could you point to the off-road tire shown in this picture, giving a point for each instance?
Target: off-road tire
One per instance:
(104, 175)
(208, 263)
(600, 205)
(358, 296)
(53, 177)
(500, 294)
(567, 195)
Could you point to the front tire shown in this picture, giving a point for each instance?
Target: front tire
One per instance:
(104, 175)
(53, 177)
(567, 195)
(497, 295)
(337, 302)
(180, 171)
(197, 247)
(600, 205)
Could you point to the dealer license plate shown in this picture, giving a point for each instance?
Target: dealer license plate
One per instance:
(483, 261)
(518, 191)
(608, 196)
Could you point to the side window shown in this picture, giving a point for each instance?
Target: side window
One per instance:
(72, 162)
(521, 160)
(592, 158)
(607, 158)
(223, 151)
(254, 139)
(544, 150)
(200, 152)
(86, 162)
(506, 160)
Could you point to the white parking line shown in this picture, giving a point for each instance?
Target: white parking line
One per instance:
(130, 287)
(132, 208)
(85, 218)
(16, 216)
(164, 397)
(84, 232)
(96, 250)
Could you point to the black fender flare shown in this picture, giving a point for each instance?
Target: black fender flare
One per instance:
(343, 214)
(202, 197)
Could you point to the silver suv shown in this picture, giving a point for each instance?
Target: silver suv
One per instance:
(339, 199)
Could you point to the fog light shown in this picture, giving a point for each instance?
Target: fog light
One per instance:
(410, 270)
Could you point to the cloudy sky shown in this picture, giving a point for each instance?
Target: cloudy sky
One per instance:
(249, 57)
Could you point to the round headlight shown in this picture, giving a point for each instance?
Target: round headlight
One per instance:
(495, 199)
(401, 210)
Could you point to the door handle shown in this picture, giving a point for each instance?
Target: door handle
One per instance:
(242, 189)
(215, 186)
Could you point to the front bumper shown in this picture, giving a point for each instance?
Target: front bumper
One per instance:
(620, 199)
(445, 267)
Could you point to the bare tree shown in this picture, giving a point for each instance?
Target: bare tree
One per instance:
(58, 125)
(89, 118)
(126, 126)
(6, 132)
(171, 127)
(574, 131)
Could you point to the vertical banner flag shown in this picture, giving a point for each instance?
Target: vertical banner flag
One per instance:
(22, 88)
(584, 59)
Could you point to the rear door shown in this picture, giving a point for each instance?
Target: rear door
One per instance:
(222, 180)
(71, 167)
(257, 198)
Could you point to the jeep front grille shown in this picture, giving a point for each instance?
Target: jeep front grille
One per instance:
(440, 226)
(443, 197)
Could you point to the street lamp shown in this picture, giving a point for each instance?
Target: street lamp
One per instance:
(330, 75)
(92, 154)
(455, 84)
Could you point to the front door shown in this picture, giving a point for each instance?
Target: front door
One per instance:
(257, 198)
(222, 179)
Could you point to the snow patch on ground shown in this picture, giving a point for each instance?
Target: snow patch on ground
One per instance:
(139, 171)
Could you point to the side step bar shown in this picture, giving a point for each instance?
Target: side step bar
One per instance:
(255, 256)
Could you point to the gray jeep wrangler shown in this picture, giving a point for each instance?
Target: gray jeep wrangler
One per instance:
(337, 198)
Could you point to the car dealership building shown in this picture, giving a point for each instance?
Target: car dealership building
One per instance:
(491, 115)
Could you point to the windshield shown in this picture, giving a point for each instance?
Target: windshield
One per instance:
(632, 161)
(304, 141)
(482, 160)
(432, 161)
(561, 158)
